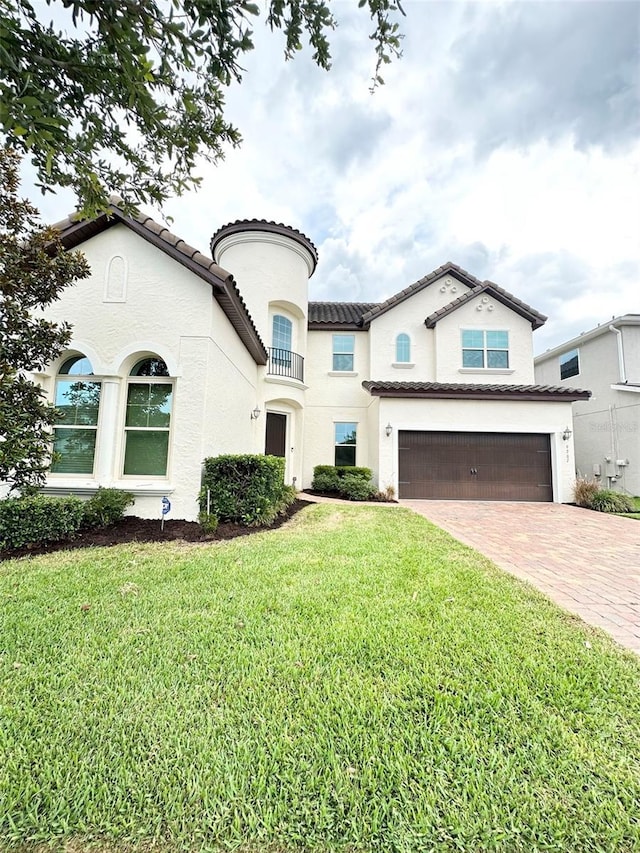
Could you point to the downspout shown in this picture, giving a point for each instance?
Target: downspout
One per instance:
(623, 373)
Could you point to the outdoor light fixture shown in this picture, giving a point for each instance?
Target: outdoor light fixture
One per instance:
(566, 435)
(255, 414)
(388, 429)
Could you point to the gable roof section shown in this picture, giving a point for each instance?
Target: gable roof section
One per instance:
(446, 269)
(75, 231)
(359, 315)
(338, 316)
(499, 294)
(459, 391)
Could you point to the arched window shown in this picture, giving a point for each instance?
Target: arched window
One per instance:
(282, 330)
(78, 402)
(281, 340)
(403, 348)
(148, 419)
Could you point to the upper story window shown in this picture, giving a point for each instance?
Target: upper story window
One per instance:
(569, 364)
(482, 348)
(345, 443)
(148, 419)
(343, 352)
(78, 402)
(282, 333)
(403, 349)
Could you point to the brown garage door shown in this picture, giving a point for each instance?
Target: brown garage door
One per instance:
(481, 466)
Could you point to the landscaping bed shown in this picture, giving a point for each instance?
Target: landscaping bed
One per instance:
(134, 529)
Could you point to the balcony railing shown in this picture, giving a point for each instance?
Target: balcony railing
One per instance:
(283, 362)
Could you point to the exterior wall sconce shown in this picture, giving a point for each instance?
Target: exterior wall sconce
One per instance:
(566, 435)
(255, 414)
(388, 429)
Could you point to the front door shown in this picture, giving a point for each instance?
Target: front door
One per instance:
(276, 435)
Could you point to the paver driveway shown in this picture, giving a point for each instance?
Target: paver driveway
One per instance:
(588, 562)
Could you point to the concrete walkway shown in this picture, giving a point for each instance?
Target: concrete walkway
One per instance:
(587, 562)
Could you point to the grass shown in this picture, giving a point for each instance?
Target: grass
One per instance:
(635, 514)
(355, 681)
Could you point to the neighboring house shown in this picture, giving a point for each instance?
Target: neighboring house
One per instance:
(607, 426)
(176, 357)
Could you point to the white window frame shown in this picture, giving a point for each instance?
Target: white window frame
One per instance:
(337, 444)
(335, 353)
(95, 428)
(485, 350)
(147, 380)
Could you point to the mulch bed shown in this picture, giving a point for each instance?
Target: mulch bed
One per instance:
(133, 529)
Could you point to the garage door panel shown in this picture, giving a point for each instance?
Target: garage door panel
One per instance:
(474, 466)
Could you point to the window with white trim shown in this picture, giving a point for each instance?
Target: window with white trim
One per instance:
(403, 348)
(346, 435)
(148, 419)
(569, 364)
(343, 352)
(482, 348)
(77, 399)
(281, 337)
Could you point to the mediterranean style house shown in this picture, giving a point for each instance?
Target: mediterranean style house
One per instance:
(177, 356)
(607, 426)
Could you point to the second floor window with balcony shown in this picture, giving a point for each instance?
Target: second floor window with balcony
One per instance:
(282, 332)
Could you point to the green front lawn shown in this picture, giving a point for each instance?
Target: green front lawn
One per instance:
(355, 681)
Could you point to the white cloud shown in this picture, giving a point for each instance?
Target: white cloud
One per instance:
(505, 140)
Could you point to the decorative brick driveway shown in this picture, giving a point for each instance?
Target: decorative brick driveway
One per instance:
(587, 562)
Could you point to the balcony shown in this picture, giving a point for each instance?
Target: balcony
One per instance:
(283, 362)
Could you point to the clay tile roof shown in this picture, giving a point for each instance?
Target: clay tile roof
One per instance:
(463, 391)
(74, 231)
(269, 227)
(328, 315)
(500, 294)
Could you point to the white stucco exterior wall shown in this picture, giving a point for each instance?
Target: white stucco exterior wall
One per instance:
(408, 317)
(476, 315)
(169, 312)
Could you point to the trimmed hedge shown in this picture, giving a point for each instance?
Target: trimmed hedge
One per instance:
(38, 518)
(352, 483)
(245, 489)
(106, 507)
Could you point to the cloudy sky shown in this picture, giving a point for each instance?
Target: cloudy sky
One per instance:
(506, 139)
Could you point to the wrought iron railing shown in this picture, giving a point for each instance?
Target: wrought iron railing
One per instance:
(283, 362)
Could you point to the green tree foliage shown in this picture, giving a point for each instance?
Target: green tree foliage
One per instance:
(34, 269)
(124, 96)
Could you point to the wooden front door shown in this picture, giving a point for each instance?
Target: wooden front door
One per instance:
(276, 435)
(474, 466)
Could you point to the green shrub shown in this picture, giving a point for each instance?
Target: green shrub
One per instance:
(356, 489)
(328, 478)
(208, 521)
(606, 500)
(36, 519)
(106, 507)
(354, 471)
(247, 489)
(584, 491)
(325, 482)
